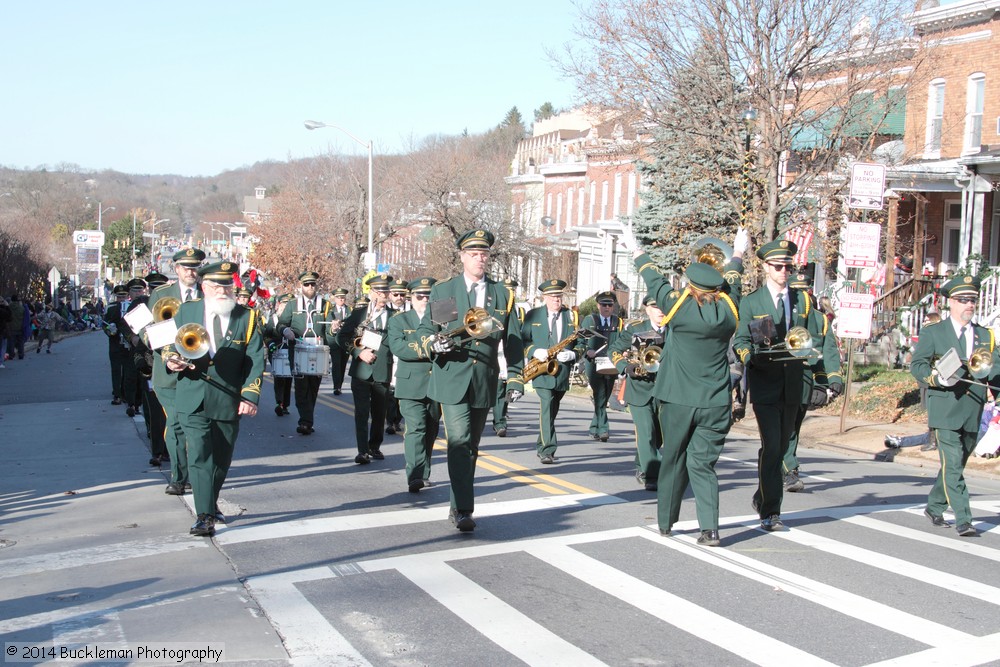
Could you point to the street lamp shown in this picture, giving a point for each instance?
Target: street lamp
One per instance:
(315, 124)
(152, 241)
(749, 116)
(100, 213)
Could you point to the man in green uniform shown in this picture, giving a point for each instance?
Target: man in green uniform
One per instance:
(274, 339)
(371, 368)
(545, 327)
(114, 327)
(821, 379)
(776, 386)
(338, 353)
(413, 375)
(464, 372)
(185, 289)
(501, 406)
(306, 321)
(954, 407)
(399, 292)
(223, 386)
(131, 389)
(152, 411)
(642, 404)
(608, 325)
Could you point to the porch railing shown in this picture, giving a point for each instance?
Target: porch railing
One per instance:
(910, 295)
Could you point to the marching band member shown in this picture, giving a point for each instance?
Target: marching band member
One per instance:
(339, 354)
(608, 325)
(464, 372)
(113, 322)
(693, 383)
(306, 318)
(413, 374)
(371, 368)
(398, 294)
(544, 327)
(642, 404)
(273, 337)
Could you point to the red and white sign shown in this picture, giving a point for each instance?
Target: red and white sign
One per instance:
(801, 236)
(861, 245)
(854, 316)
(867, 186)
(88, 239)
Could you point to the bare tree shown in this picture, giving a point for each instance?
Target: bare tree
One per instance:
(833, 69)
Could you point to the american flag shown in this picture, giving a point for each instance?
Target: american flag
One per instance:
(801, 236)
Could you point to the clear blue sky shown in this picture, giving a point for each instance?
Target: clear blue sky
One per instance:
(195, 88)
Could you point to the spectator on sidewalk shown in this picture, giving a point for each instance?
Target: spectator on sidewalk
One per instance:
(20, 326)
(5, 318)
(48, 320)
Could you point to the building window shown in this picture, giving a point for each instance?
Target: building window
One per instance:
(974, 113)
(952, 232)
(935, 117)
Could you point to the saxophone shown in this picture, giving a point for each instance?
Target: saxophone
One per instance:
(550, 366)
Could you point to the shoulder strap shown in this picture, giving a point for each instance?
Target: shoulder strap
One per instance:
(677, 304)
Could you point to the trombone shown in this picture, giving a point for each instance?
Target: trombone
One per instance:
(165, 308)
(191, 343)
(798, 344)
(477, 325)
(980, 365)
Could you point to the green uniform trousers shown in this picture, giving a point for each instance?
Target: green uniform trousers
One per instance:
(791, 461)
(775, 422)
(338, 361)
(210, 448)
(306, 393)
(282, 391)
(463, 428)
(549, 400)
(423, 419)
(648, 437)
(173, 437)
(954, 449)
(369, 403)
(130, 381)
(692, 443)
(500, 407)
(602, 386)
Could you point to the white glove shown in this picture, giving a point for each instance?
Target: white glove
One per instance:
(113, 328)
(742, 240)
(541, 354)
(442, 345)
(514, 395)
(566, 356)
(628, 239)
(288, 333)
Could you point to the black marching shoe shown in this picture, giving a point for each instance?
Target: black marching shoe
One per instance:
(155, 461)
(792, 482)
(219, 517)
(174, 489)
(204, 526)
(116, 401)
(416, 485)
(966, 530)
(278, 410)
(336, 392)
(390, 430)
(304, 429)
(709, 538)
(462, 520)
(502, 432)
(772, 523)
(130, 411)
(935, 519)
(377, 454)
(362, 459)
(603, 437)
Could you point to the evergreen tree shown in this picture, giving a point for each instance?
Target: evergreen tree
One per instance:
(513, 121)
(545, 111)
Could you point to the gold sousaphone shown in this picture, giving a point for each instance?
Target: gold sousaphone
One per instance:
(712, 251)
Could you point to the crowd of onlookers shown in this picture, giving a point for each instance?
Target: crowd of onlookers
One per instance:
(23, 321)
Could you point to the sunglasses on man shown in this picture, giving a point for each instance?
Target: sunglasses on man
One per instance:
(966, 299)
(780, 267)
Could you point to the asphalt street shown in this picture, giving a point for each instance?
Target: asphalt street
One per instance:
(328, 563)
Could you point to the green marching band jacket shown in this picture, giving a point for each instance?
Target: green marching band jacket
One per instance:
(535, 334)
(638, 390)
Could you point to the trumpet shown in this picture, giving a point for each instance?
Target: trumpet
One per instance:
(477, 324)
(981, 363)
(712, 251)
(165, 308)
(192, 342)
(798, 344)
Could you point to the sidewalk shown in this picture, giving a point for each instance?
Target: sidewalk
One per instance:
(91, 549)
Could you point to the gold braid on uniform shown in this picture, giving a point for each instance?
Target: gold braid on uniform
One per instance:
(253, 387)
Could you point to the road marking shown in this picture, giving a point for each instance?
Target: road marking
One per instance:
(753, 464)
(298, 528)
(306, 633)
(669, 608)
(973, 651)
(934, 539)
(99, 627)
(18, 567)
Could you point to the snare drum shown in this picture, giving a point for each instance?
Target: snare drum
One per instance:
(311, 359)
(280, 367)
(604, 366)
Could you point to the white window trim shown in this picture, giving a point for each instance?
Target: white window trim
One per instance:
(974, 106)
(949, 225)
(932, 89)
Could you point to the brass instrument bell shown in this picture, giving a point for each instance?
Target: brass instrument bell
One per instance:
(192, 341)
(712, 251)
(981, 363)
(165, 308)
(477, 324)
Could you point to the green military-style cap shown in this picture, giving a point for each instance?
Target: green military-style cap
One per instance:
(606, 298)
(477, 239)
(362, 302)
(961, 286)
(554, 286)
(136, 283)
(189, 257)
(244, 291)
(285, 298)
(649, 300)
(399, 286)
(155, 279)
(779, 251)
(220, 273)
(799, 281)
(340, 291)
(309, 277)
(380, 282)
(422, 285)
(510, 283)
(120, 289)
(703, 276)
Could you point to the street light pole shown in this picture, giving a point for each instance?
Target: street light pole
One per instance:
(315, 124)
(100, 214)
(749, 116)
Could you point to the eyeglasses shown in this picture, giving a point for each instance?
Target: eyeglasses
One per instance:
(966, 299)
(421, 297)
(309, 284)
(780, 267)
